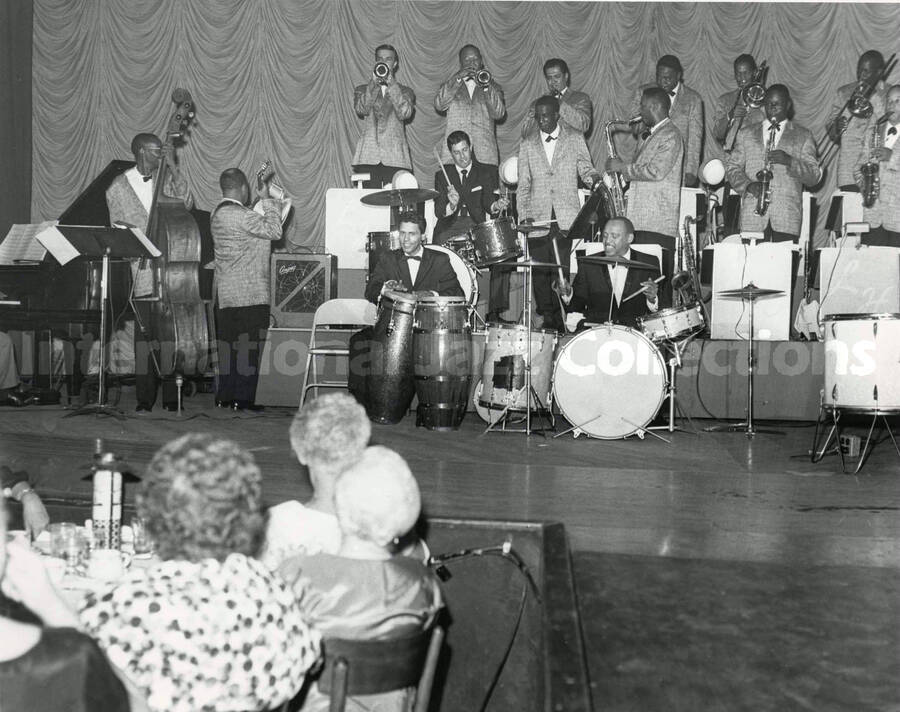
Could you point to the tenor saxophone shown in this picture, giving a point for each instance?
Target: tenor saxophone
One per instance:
(614, 180)
(765, 178)
(870, 178)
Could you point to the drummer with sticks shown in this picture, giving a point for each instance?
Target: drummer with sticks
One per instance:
(619, 286)
(466, 196)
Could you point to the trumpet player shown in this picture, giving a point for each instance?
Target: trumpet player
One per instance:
(575, 107)
(385, 105)
(881, 147)
(847, 130)
(789, 152)
(473, 102)
(731, 112)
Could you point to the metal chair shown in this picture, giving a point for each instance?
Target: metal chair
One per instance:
(334, 316)
(368, 667)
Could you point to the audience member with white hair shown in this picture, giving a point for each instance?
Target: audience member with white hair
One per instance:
(328, 435)
(365, 592)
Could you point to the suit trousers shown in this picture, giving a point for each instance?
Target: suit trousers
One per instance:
(775, 236)
(541, 250)
(881, 236)
(146, 359)
(241, 333)
(380, 174)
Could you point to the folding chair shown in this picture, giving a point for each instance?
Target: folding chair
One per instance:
(334, 316)
(368, 667)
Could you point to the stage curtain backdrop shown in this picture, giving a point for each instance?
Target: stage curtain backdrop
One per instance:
(275, 78)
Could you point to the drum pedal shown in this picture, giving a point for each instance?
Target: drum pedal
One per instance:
(850, 445)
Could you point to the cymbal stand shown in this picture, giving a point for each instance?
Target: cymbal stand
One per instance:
(671, 389)
(747, 425)
(100, 407)
(531, 394)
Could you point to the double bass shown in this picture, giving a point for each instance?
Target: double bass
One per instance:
(179, 314)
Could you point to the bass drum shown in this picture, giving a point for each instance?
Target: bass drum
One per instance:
(862, 353)
(609, 382)
(465, 273)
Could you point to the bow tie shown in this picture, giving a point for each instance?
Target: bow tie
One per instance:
(672, 94)
(892, 131)
(551, 138)
(146, 178)
(774, 126)
(417, 258)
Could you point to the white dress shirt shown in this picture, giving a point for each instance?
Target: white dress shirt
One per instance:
(142, 189)
(891, 139)
(414, 264)
(470, 85)
(550, 146)
(778, 134)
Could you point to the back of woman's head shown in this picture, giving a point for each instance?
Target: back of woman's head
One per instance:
(377, 499)
(330, 432)
(201, 497)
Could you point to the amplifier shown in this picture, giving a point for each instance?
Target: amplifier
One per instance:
(299, 285)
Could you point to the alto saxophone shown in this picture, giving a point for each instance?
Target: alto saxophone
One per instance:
(765, 177)
(870, 179)
(686, 283)
(614, 180)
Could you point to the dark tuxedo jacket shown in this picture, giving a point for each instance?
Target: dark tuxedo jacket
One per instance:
(592, 291)
(478, 193)
(435, 273)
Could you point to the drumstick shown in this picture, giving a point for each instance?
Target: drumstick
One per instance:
(440, 163)
(641, 290)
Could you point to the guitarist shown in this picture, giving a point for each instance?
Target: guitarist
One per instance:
(129, 198)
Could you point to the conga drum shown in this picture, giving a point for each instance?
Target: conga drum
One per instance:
(389, 379)
(442, 354)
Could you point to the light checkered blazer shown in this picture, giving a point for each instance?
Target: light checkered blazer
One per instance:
(687, 114)
(852, 140)
(786, 207)
(886, 210)
(720, 127)
(544, 187)
(383, 139)
(654, 195)
(575, 109)
(476, 116)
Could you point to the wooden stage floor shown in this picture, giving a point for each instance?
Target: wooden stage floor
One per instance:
(712, 543)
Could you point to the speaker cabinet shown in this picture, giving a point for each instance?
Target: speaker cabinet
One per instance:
(299, 284)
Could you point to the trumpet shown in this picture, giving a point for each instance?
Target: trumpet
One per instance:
(859, 106)
(381, 71)
(753, 96)
(481, 76)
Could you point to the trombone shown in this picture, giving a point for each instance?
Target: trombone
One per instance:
(753, 95)
(859, 105)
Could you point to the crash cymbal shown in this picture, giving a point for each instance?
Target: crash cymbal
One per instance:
(534, 264)
(604, 260)
(404, 196)
(749, 291)
(541, 226)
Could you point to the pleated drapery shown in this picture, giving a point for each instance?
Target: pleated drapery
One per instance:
(274, 78)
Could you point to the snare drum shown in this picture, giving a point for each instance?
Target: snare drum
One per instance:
(495, 241)
(389, 379)
(673, 324)
(462, 246)
(609, 382)
(862, 362)
(442, 357)
(377, 243)
(503, 368)
(465, 273)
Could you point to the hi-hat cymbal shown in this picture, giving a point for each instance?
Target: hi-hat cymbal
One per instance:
(534, 264)
(749, 291)
(404, 196)
(604, 260)
(542, 226)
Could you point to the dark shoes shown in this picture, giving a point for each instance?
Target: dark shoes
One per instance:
(12, 399)
(239, 406)
(495, 318)
(143, 408)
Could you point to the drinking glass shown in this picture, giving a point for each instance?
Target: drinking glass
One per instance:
(143, 545)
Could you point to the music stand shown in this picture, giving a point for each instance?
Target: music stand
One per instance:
(68, 242)
(750, 293)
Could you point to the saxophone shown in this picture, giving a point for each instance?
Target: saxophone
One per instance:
(686, 283)
(870, 181)
(615, 181)
(765, 178)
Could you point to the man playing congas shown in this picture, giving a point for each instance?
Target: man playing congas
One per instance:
(601, 291)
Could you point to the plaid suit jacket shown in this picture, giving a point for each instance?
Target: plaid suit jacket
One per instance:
(435, 273)
(786, 207)
(544, 188)
(854, 136)
(575, 109)
(476, 116)
(383, 139)
(125, 207)
(886, 210)
(687, 114)
(242, 239)
(720, 128)
(654, 196)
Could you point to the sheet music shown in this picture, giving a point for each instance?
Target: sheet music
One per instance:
(20, 244)
(57, 245)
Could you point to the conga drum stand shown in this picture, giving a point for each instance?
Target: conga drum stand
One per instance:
(749, 293)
